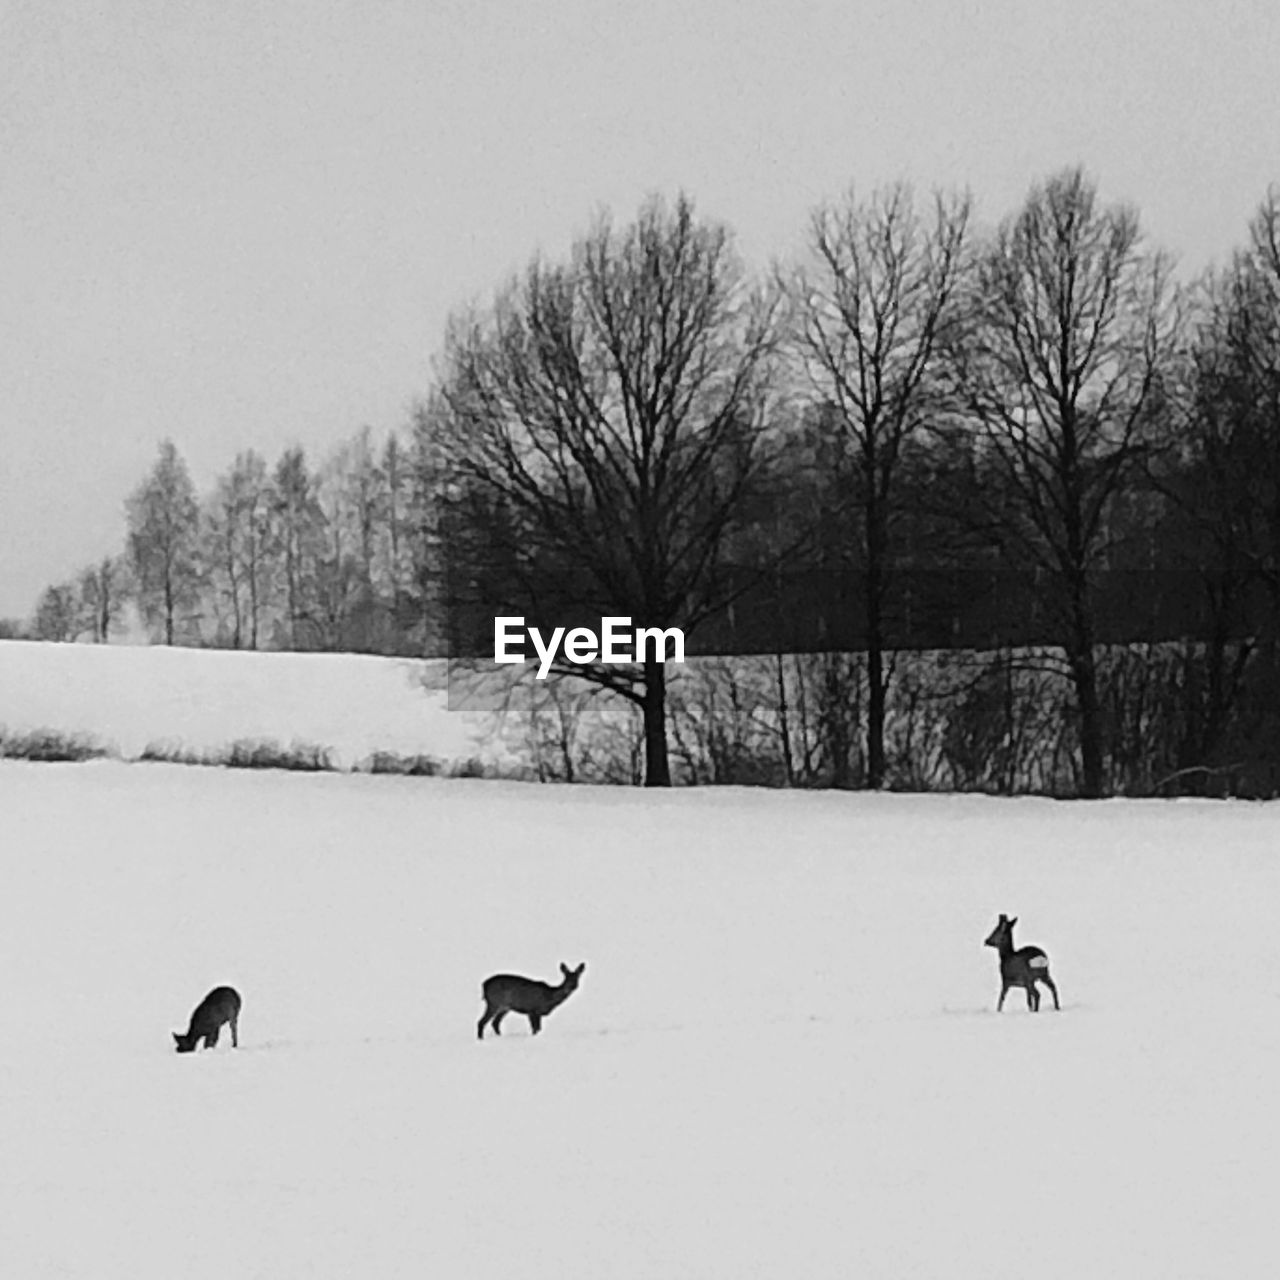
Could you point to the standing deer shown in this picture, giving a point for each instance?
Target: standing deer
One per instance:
(1021, 968)
(222, 1004)
(506, 993)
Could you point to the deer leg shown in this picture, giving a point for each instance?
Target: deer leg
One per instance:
(535, 1021)
(211, 1040)
(1033, 998)
(497, 1021)
(235, 1034)
(1048, 982)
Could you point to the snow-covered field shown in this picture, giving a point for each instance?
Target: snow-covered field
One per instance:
(131, 697)
(783, 1061)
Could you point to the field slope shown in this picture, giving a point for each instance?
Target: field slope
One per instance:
(783, 1060)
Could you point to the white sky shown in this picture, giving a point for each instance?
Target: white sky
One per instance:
(244, 224)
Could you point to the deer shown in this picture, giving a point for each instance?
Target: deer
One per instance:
(222, 1004)
(1021, 968)
(506, 993)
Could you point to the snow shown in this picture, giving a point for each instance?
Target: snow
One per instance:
(204, 699)
(783, 1060)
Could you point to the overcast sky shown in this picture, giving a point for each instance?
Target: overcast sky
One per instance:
(244, 224)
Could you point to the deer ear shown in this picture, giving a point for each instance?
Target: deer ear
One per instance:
(564, 968)
(1012, 921)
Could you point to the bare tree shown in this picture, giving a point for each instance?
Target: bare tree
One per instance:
(356, 484)
(57, 615)
(241, 546)
(220, 556)
(426, 506)
(869, 309)
(163, 544)
(1221, 472)
(1236, 415)
(1059, 371)
(353, 496)
(298, 526)
(395, 470)
(611, 413)
(102, 591)
(345, 548)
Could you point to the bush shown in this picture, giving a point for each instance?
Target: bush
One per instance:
(265, 753)
(173, 753)
(245, 753)
(50, 745)
(417, 766)
(473, 767)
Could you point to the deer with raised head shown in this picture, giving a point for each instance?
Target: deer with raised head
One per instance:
(506, 993)
(1023, 967)
(221, 1005)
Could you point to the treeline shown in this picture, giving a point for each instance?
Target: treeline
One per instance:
(914, 434)
(275, 556)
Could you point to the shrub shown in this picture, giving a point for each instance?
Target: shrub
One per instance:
(51, 745)
(473, 767)
(417, 766)
(265, 753)
(173, 753)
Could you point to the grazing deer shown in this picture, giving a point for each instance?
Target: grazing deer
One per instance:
(1021, 968)
(222, 1004)
(506, 993)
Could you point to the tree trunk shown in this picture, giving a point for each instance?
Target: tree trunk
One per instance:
(876, 541)
(1084, 675)
(657, 766)
(1081, 656)
(875, 714)
(168, 608)
(784, 721)
(253, 591)
(237, 627)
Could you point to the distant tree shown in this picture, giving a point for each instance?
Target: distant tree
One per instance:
(1220, 470)
(395, 470)
(353, 497)
(1059, 370)
(610, 416)
(340, 578)
(1233, 437)
(364, 494)
(102, 593)
(427, 508)
(869, 308)
(240, 548)
(57, 614)
(163, 543)
(298, 526)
